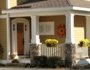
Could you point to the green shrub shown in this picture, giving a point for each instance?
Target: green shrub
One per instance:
(55, 62)
(50, 62)
(39, 61)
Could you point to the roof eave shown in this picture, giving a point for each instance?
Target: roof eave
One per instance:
(45, 10)
(35, 10)
(81, 8)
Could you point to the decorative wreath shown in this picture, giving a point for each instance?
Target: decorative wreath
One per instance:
(61, 30)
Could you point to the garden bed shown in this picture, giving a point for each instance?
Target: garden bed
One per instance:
(47, 62)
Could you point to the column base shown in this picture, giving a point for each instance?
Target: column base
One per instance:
(69, 54)
(34, 50)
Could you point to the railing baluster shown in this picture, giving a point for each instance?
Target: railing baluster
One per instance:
(52, 51)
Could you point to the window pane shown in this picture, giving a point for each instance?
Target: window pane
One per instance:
(46, 28)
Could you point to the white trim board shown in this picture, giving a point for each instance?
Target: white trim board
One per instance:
(35, 10)
(45, 9)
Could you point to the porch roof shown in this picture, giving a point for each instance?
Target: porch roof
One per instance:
(54, 3)
(49, 7)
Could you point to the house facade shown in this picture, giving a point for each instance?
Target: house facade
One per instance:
(34, 21)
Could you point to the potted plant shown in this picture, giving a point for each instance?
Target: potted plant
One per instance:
(14, 58)
(84, 43)
(51, 42)
(83, 48)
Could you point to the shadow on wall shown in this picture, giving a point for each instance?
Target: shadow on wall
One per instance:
(28, 1)
(1, 51)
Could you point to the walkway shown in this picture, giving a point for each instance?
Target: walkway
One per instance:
(14, 68)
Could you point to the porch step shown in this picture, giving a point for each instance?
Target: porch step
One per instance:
(25, 60)
(22, 57)
(4, 62)
(22, 63)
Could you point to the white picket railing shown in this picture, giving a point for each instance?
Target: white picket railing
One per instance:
(51, 51)
(81, 52)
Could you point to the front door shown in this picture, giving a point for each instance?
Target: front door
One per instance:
(20, 38)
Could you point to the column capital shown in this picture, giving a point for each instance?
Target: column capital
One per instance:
(69, 14)
(34, 16)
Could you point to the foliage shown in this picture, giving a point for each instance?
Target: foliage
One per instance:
(55, 62)
(44, 61)
(38, 61)
(51, 42)
(84, 42)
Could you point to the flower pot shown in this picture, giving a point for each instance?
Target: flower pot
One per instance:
(51, 45)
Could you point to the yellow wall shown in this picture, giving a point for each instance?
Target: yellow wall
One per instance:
(3, 35)
(79, 28)
(13, 3)
(57, 21)
(2, 4)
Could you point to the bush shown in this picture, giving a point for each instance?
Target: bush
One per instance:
(55, 62)
(43, 61)
(39, 61)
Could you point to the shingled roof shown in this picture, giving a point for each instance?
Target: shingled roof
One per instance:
(54, 3)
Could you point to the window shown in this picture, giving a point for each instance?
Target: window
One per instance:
(46, 28)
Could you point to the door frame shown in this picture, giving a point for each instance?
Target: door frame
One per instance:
(26, 35)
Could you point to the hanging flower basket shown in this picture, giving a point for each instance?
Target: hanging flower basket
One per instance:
(51, 42)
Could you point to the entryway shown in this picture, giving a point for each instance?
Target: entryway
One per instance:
(20, 36)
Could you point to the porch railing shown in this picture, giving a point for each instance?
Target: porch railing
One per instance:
(68, 52)
(51, 51)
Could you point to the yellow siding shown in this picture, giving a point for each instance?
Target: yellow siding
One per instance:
(3, 35)
(2, 4)
(79, 28)
(79, 34)
(13, 3)
(57, 21)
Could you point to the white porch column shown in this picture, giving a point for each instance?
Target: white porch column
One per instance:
(35, 30)
(69, 28)
(8, 36)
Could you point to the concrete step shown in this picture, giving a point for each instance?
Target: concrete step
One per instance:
(21, 63)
